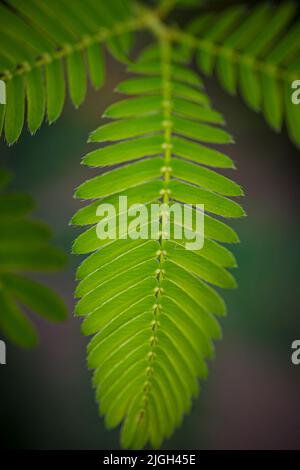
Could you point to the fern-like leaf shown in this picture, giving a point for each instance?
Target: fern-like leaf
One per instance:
(25, 247)
(38, 37)
(149, 303)
(255, 51)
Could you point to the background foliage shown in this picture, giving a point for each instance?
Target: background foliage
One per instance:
(264, 251)
(25, 247)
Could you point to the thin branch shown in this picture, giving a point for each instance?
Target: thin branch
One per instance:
(83, 43)
(234, 56)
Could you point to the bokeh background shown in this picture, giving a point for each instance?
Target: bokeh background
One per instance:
(251, 399)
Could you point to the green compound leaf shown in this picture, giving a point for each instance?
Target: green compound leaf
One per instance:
(44, 41)
(254, 51)
(151, 304)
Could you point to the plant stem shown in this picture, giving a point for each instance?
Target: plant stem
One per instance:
(83, 43)
(233, 55)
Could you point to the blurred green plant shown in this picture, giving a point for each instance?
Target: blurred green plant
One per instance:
(55, 32)
(147, 365)
(24, 248)
(255, 50)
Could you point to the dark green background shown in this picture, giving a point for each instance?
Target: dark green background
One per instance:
(251, 399)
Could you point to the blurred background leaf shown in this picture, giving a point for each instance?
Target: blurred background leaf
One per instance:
(25, 247)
